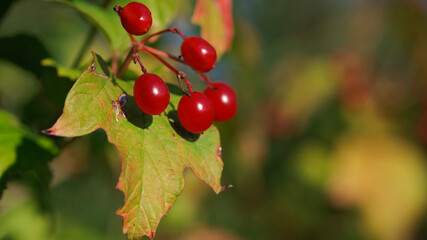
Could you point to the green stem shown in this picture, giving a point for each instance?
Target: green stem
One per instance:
(125, 63)
(84, 48)
(89, 38)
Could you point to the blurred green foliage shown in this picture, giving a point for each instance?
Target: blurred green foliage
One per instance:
(329, 141)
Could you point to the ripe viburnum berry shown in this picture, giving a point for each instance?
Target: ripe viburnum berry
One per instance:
(195, 113)
(136, 18)
(151, 94)
(198, 54)
(223, 99)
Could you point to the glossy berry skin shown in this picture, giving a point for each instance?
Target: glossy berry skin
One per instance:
(198, 53)
(195, 113)
(136, 18)
(151, 94)
(223, 99)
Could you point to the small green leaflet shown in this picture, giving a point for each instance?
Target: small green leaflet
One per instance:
(154, 149)
(10, 138)
(12, 135)
(63, 71)
(24, 156)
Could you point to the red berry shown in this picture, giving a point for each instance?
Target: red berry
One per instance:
(136, 18)
(198, 53)
(223, 101)
(195, 113)
(151, 94)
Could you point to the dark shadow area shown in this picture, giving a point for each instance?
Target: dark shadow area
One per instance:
(174, 89)
(135, 116)
(47, 105)
(174, 122)
(129, 75)
(4, 6)
(88, 197)
(104, 66)
(31, 168)
(116, 84)
(25, 51)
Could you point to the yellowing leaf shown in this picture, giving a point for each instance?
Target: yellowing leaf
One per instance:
(215, 18)
(154, 149)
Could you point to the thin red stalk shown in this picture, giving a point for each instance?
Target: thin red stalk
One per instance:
(140, 46)
(180, 60)
(180, 33)
(138, 59)
(172, 29)
(189, 86)
(205, 78)
(161, 53)
(180, 74)
(164, 62)
(134, 42)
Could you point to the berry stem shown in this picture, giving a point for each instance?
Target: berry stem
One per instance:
(179, 74)
(158, 54)
(172, 29)
(136, 58)
(117, 8)
(161, 53)
(134, 42)
(164, 62)
(145, 48)
(125, 63)
(189, 86)
(206, 78)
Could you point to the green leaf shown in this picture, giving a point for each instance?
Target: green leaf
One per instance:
(24, 156)
(108, 21)
(10, 137)
(105, 20)
(154, 149)
(63, 71)
(24, 221)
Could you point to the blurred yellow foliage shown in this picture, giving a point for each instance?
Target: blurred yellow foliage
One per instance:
(385, 177)
(303, 85)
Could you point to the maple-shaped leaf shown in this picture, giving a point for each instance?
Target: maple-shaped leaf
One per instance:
(215, 18)
(154, 149)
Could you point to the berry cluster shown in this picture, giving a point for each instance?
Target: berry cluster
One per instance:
(196, 110)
